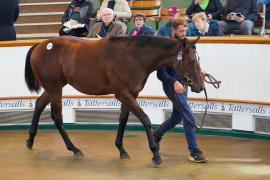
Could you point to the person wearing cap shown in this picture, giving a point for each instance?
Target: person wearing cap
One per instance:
(212, 8)
(106, 28)
(203, 28)
(140, 28)
(166, 29)
(175, 91)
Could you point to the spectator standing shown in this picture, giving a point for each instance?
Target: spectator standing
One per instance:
(212, 8)
(239, 15)
(107, 27)
(140, 27)
(203, 28)
(121, 10)
(76, 18)
(9, 12)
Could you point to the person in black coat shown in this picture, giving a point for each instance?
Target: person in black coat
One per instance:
(78, 15)
(9, 12)
(212, 8)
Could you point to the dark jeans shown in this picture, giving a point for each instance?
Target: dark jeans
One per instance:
(181, 112)
(245, 27)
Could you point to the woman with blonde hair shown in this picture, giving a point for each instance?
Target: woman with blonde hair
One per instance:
(203, 28)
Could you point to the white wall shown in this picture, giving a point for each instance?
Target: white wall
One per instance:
(244, 70)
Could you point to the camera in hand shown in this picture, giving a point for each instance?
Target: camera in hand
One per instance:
(234, 15)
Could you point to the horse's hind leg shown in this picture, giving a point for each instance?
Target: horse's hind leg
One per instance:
(127, 99)
(56, 114)
(119, 138)
(41, 103)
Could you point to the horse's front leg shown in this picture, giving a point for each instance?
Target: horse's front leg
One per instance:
(56, 114)
(41, 103)
(121, 129)
(127, 99)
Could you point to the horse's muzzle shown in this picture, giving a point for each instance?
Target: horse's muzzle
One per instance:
(197, 89)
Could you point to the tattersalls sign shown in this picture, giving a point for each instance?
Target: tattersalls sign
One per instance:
(109, 103)
(242, 114)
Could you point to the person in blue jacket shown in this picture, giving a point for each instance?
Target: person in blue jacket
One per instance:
(140, 28)
(9, 12)
(203, 28)
(175, 91)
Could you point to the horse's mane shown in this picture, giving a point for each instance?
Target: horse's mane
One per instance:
(142, 41)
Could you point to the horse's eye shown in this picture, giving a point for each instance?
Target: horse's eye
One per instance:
(191, 62)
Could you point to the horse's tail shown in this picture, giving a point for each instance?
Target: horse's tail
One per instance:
(29, 76)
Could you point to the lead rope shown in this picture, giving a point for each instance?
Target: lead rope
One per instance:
(205, 111)
(216, 84)
(212, 80)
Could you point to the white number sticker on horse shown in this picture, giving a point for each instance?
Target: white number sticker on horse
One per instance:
(49, 46)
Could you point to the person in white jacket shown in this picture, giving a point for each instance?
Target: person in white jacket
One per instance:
(121, 10)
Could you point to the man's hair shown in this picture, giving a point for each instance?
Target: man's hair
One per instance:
(139, 15)
(108, 10)
(200, 15)
(178, 21)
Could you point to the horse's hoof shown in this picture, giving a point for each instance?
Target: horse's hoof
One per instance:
(78, 155)
(124, 156)
(156, 161)
(29, 144)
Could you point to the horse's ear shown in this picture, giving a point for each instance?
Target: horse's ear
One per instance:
(196, 40)
(184, 42)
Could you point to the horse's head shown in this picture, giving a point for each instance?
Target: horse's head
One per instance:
(188, 65)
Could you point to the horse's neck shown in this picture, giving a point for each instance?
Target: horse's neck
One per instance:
(162, 60)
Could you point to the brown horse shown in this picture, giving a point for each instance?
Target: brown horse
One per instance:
(119, 66)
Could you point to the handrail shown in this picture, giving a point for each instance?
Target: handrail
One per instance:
(235, 39)
(143, 97)
(28, 42)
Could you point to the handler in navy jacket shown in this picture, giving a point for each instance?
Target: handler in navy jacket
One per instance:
(173, 86)
(9, 12)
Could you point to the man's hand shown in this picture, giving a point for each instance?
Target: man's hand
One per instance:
(178, 87)
(77, 9)
(240, 19)
(209, 16)
(203, 74)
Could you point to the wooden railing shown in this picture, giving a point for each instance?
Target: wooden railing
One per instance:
(236, 39)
